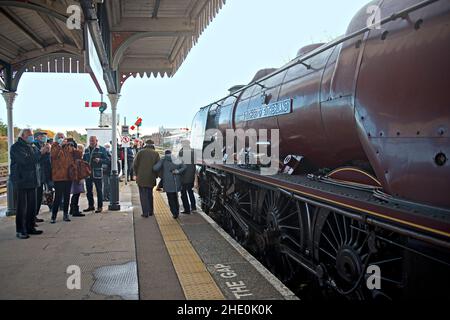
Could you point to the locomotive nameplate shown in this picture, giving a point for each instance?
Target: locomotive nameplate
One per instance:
(269, 110)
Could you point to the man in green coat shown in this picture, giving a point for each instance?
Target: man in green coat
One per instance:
(145, 177)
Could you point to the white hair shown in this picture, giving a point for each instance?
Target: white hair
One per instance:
(25, 130)
(107, 145)
(60, 133)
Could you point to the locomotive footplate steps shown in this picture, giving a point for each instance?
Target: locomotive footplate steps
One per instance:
(195, 259)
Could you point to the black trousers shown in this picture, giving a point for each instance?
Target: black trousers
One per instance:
(26, 210)
(186, 189)
(39, 193)
(173, 203)
(146, 197)
(89, 192)
(130, 171)
(75, 199)
(62, 192)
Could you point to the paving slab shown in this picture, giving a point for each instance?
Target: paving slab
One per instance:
(36, 268)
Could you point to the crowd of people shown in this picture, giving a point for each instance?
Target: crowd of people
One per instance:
(55, 172)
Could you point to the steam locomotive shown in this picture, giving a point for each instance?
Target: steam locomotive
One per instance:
(364, 176)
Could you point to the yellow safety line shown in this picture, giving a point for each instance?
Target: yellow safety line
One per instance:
(194, 278)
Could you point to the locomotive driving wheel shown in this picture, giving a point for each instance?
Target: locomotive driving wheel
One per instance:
(283, 234)
(242, 202)
(346, 248)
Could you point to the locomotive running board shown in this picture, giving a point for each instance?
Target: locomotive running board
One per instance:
(428, 225)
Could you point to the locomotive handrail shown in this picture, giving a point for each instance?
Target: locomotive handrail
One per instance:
(401, 14)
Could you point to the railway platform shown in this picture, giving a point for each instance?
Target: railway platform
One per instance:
(121, 255)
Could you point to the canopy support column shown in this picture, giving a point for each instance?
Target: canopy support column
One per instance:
(114, 203)
(9, 99)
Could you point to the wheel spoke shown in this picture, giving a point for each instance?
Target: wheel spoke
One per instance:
(326, 238)
(356, 239)
(338, 228)
(345, 229)
(398, 283)
(332, 232)
(288, 237)
(327, 253)
(284, 208)
(351, 234)
(287, 217)
(386, 261)
(281, 226)
(359, 250)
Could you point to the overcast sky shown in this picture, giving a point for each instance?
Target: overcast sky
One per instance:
(247, 35)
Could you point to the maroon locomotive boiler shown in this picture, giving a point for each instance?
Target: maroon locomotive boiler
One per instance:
(368, 118)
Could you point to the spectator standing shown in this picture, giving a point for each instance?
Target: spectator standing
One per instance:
(187, 181)
(25, 176)
(107, 174)
(41, 141)
(130, 160)
(145, 177)
(170, 168)
(96, 156)
(77, 188)
(63, 155)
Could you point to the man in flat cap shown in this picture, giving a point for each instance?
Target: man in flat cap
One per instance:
(145, 159)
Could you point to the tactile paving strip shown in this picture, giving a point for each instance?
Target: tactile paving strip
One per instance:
(196, 281)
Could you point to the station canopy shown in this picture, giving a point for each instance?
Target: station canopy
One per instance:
(131, 37)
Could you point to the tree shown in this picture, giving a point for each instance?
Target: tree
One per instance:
(78, 137)
(3, 128)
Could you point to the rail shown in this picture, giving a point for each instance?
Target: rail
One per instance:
(302, 60)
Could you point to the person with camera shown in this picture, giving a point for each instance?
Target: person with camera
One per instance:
(96, 156)
(41, 143)
(63, 155)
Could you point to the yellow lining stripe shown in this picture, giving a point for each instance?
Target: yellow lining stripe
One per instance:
(196, 282)
(357, 170)
(442, 233)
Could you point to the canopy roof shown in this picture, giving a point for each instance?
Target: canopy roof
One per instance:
(133, 37)
(155, 36)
